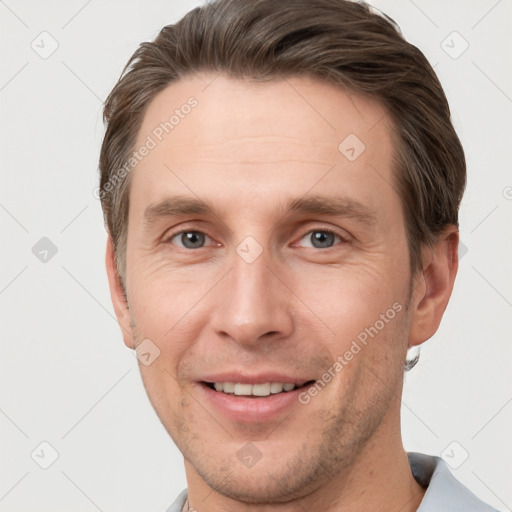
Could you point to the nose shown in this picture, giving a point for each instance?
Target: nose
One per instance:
(254, 304)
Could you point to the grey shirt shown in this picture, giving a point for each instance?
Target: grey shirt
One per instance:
(444, 493)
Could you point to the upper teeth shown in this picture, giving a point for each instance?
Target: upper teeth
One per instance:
(264, 389)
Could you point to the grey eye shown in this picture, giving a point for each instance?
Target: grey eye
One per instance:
(322, 239)
(190, 239)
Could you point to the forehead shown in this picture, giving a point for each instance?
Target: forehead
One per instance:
(207, 131)
(300, 107)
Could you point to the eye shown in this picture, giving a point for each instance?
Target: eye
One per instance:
(189, 239)
(320, 239)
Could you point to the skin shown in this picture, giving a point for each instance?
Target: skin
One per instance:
(248, 148)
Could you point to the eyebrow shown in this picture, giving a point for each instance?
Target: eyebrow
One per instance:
(177, 206)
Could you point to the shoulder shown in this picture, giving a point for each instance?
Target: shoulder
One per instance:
(179, 502)
(444, 492)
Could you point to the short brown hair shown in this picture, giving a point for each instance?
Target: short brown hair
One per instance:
(338, 41)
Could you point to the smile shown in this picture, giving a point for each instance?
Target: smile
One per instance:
(255, 390)
(244, 402)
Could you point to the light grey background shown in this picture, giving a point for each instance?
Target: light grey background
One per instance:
(66, 377)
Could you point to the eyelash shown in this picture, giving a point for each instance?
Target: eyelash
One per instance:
(343, 239)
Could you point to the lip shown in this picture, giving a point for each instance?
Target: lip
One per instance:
(244, 409)
(260, 378)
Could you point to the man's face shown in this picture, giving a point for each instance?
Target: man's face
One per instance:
(256, 292)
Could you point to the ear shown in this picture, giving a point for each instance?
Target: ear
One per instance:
(433, 287)
(116, 293)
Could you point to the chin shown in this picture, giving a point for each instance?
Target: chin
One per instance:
(280, 476)
(258, 487)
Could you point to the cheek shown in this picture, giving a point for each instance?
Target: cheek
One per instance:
(362, 313)
(164, 295)
(349, 297)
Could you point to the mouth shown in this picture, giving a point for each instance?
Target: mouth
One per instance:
(260, 390)
(253, 399)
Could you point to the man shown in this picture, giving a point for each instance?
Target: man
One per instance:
(281, 183)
